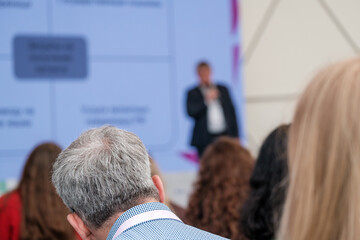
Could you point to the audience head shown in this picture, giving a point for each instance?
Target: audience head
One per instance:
(262, 211)
(324, 158)
(43, 215)
(204, 73)
(221, 188)
(103, 173)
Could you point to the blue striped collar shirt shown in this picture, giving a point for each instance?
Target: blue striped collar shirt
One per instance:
(159, 228)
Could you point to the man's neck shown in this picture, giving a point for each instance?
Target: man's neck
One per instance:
(206, 85)
(103, 231)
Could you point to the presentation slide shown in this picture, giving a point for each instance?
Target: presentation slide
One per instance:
(70, 65)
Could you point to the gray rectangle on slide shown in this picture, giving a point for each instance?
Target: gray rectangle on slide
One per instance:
(49, 57)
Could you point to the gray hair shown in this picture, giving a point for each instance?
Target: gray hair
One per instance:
(105, 171)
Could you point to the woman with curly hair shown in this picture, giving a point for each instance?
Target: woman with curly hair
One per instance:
(262, 210)
(34, 210)
(221, 189)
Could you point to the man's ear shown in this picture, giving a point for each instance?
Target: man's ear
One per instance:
(79, 226)
(160, 187)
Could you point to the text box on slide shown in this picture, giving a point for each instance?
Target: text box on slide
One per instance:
(25, 16)
(116, 28)
(25, 111)
(50, 57)
(136, 96)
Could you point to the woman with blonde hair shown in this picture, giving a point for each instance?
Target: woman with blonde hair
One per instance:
(324, 159)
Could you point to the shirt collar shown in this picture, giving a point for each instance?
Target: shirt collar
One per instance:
(146, 207)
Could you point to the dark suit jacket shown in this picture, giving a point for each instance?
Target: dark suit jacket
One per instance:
(197, 109)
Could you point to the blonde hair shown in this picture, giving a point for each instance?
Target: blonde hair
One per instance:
(324, 159)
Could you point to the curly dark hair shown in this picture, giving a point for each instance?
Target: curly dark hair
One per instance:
(221, 188)
(262, 211)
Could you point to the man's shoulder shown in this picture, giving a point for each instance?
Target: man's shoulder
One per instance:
(193, 89)
(221, 86)
(168, 229)
(194, 92)
(199, 234)
(154, 220)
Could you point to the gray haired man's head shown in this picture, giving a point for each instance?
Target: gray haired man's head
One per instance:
(105, 171)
